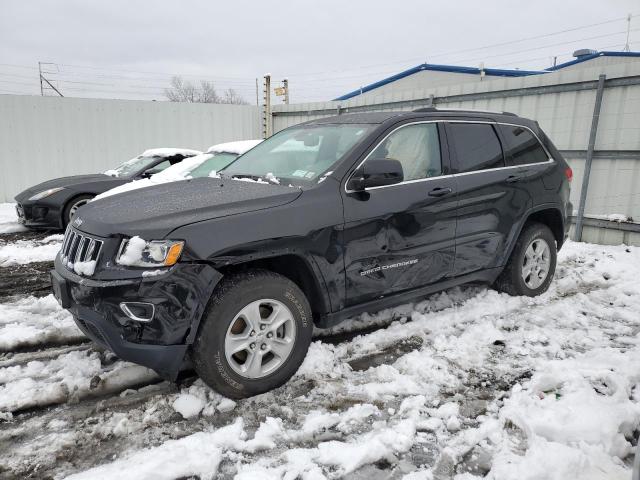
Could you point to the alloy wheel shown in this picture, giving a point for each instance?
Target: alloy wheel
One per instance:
(260, 338)
(536, 263)
(74, 208)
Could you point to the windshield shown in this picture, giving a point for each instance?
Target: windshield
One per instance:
(300, 153)
(131, 166)
(215, 163)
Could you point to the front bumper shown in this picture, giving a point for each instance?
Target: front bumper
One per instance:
(39, 215)
(179, 296)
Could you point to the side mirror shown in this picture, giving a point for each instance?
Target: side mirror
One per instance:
(376, 173)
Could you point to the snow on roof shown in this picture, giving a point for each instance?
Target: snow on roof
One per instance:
(238, 148)
(169, 152)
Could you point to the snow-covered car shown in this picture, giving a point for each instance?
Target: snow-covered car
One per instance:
(206, 164)
(53, 203)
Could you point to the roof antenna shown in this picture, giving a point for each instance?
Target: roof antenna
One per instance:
(626, 46)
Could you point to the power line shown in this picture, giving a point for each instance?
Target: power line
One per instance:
(455, 52)
(515, 52)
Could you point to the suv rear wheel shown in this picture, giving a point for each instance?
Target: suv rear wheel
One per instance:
(532, 264)
(255, 334)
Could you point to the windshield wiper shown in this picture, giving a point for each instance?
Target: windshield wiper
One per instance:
(256, 178)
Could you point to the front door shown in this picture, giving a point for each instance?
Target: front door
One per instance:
(402, 236)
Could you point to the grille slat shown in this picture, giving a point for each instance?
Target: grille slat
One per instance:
(82, 245)
(77, 247)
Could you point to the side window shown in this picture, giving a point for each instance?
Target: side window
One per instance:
(522, 146)
(158, 168)
(476, 146)
(416, 147)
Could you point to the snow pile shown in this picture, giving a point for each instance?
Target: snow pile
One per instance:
(9, 219)
(197, 455)
(27, 251)
(70, 376)
(239, 147)
(35, 321)
(272, 178)
(188, 405)
(181, 171)
(174, 173)
(170, 152)
(85, 268)
(133, 251)
(580, 405)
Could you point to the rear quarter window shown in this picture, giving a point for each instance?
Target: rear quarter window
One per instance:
(476, 146)
(522, 147)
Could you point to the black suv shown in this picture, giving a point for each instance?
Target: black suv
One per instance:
(320, 222)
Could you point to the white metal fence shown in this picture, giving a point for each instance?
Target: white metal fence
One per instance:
(47, 137)
(563, 103)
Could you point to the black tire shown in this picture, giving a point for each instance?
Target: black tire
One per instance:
(66, 213)
(511, 279)
(232, 295)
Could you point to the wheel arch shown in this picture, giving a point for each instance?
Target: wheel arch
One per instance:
(69, 201)
(547, 214)
(296, 268)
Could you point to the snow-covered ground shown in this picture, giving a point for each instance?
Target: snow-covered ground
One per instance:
(467, 384)
(26, 251)
(9, 219)
(34, 321)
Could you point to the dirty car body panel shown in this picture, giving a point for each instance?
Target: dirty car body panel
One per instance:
(359, 251)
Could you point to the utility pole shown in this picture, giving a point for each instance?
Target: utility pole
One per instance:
(266, 112)
(626, 46)
(257, 96)
(285, 85)
(40, 77)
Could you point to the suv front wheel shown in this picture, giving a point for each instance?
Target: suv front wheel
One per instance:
(254, 335)
(532, 264)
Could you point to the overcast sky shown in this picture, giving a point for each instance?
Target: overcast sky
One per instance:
(130, 49)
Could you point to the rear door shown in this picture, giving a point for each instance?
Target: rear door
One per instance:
(532, 162)
(402, 236)
(491, 200)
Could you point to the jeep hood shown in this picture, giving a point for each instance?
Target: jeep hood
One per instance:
(69, 182)
(153, 212)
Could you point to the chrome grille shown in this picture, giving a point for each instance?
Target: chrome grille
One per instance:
(77, 247)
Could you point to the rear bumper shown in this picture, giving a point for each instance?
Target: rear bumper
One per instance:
(179, 297)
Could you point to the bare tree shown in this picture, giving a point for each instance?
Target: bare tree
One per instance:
(185, 91)
(231, 96)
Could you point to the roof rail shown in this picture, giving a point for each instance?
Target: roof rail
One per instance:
(470, 110)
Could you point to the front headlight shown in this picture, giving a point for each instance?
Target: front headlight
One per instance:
(45, 194)
(136, 252)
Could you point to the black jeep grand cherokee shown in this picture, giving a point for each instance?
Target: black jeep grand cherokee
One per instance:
(319, 223)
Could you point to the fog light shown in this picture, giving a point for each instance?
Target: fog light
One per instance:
(138, 311)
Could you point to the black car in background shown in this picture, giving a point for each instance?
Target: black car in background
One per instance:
(318, 223)
(52, 204)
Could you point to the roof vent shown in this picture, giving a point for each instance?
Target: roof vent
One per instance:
(583, 52)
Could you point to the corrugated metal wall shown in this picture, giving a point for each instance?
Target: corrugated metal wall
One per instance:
(562, 102)
(47, 137)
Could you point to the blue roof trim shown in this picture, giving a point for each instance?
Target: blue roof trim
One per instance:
(496, 72)
(586, 58)
(476, 71)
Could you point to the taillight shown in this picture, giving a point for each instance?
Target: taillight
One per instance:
(568, 173)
